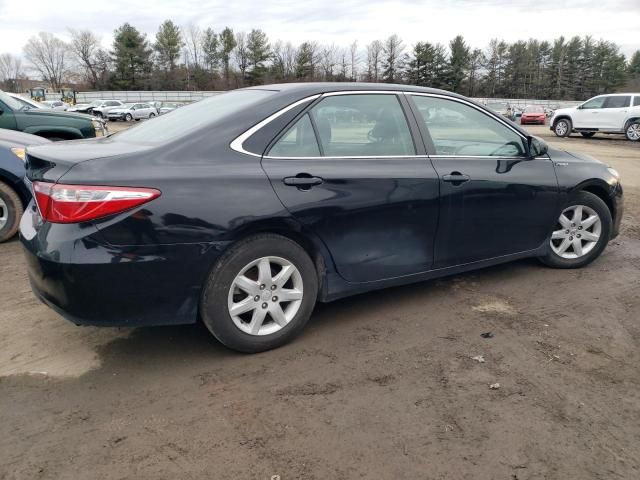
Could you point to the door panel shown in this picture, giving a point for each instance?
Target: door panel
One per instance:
(588, 116)
(615, 112)
(376, 205)
(494, 200)
(506, 206)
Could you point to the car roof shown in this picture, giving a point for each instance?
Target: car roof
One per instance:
(323, 87)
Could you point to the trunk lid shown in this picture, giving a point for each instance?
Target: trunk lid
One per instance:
(50, 162)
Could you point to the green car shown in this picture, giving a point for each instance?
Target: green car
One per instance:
(47, 123)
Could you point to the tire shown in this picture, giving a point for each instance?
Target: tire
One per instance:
(563, 127)
(587, 134)
(128, 117)
(632, 131)
(11, 210)
(98, 114)
(590, 204)
(221, 292)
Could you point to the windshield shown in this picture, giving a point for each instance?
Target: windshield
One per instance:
(12, 103)
(534, 109)
(187, 119)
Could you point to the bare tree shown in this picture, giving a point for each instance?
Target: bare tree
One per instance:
(328, 61)
(10, 71)
(374, 59)
(193, 43)
(241, 55)
(85, 46)
(48, 55)
(353, 51)
(392, 62)
(284, 60)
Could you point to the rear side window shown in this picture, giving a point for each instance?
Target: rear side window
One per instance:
(458, 129)
(636, 101)
(617, 101)
(360, 125)
(192, 117)
(299, 141)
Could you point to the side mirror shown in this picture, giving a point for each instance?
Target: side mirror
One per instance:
(537, 147)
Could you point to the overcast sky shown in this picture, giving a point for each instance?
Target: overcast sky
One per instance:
(334, 21)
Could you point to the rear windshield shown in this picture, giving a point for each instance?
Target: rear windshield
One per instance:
(187, 119)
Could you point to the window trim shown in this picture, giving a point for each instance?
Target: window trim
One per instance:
(237, 143)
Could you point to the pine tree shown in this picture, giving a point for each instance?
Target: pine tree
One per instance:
(458, 63)
(168, 45)
(392, 61)
(258, 52)
(210, 45)
(227, 44)
(131, 56)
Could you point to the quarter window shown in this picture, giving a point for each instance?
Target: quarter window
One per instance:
(617, 101)
(461, 130)
(636, 101)
(362, 125)
(299, 141)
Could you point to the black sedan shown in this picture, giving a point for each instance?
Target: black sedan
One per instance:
(246, 208)
(14, 194)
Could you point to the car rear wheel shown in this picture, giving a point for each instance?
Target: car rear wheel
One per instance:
(632, 132)
(587, 134)
(581, 232)
(128, 117)
(562, 128)
(260, 294)
(11, 210)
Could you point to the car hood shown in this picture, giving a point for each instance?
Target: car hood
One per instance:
(563, 110)
(49, 112)
(565, 156)
(50, 162)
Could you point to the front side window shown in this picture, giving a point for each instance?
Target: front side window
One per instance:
(617, 101)
(594, 103)
(362, 125)
(299, 141)
(459, 129)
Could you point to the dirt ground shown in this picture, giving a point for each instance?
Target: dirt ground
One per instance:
(380, 386)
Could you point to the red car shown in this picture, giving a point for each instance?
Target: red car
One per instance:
(533, 114)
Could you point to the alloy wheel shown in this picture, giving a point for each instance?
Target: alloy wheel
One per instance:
(265, 296)
(561, 128)
(577, 232)
(633, 131)
(4, 213)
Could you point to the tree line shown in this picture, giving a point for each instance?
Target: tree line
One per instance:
(195, 58)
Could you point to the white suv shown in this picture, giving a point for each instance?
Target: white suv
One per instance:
(615, 113)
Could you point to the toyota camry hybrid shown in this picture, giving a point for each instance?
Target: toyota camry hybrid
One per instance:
(246, 208)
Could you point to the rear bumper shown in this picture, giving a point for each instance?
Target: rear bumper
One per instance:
(92, 283)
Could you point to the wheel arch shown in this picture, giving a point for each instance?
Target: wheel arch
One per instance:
(600, 189)
(15, 184)
(563, 116)
(294, 231)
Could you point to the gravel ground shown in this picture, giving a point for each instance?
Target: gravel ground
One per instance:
(382, 385)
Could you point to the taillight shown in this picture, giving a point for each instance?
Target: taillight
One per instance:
(80, 203)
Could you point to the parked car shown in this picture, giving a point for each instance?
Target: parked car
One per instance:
(245, 208)
(14, 193)
(55, 104)
(132, 111)
(167, 107)
(27, 102)
(533, 114)
(102, 110)
(46, 122)
(501, 108)
(614, 113)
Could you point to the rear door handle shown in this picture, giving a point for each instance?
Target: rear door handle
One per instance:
(456, 178)
(302, 181)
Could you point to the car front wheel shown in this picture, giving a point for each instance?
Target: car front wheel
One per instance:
(562, 128)
(260, 294)
(10, 212)
(581, 232)
(632, 132)
(128, 117)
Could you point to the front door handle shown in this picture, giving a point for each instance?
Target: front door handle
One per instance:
(303, 181)
(456, 178)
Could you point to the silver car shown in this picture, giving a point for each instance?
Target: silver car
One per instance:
(55, 104)
(132, 111)
(105, 107)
